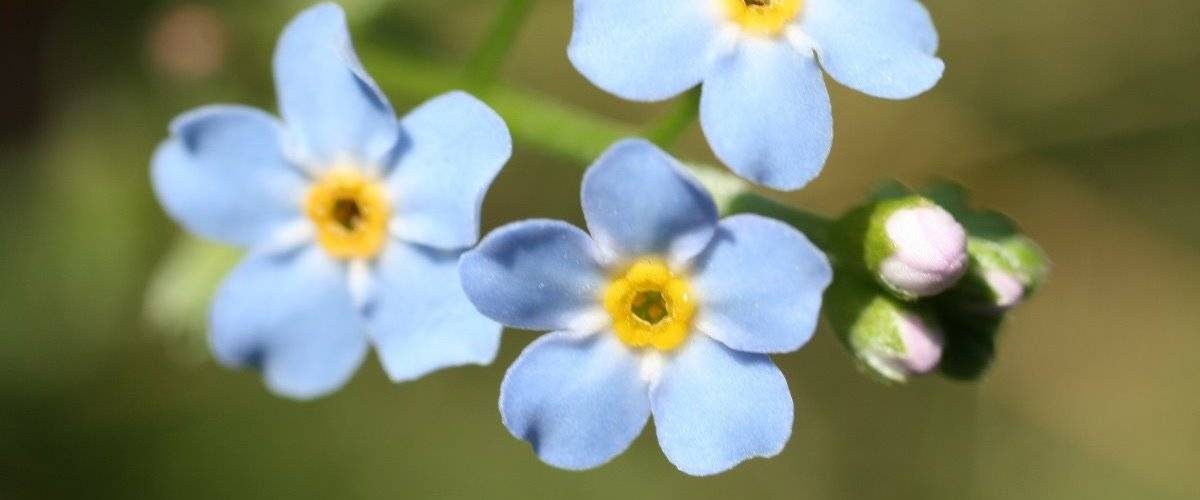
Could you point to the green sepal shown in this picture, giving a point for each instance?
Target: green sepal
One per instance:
(970, 341)
(890, 189)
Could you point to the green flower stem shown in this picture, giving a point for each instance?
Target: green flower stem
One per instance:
(532, 118)
(665, 131)
(578, 134)
(735, 196)
(816, 227)
(485, 63)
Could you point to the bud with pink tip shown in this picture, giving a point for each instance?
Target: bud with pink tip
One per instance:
(1000, 275)
(915, 248)
(915, 350)
(892, 341)
(1007, 290)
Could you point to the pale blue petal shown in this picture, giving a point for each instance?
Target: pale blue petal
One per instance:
(765, 111)
(640, 50)
(333, 109)
(638, 200)
(290, 316)
(577, 402)
(535, 275)
(761, 282)
(454, 146)
(715, 407)
(884, 48)
(422, 320)
(222, 175)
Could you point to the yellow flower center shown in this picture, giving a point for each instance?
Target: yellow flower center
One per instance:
(763, 17)
(350, 212)
(650, 306)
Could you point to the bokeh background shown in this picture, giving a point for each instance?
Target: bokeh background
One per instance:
(1080, 118)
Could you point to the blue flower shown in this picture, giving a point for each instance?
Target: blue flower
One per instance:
(354, 220)
(663, 310)
(764, 108)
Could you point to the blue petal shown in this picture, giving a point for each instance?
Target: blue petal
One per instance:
(761, 283)
(454, 146)
(640, 50)
(715, 408)
(291, 316)
(639, 200)
(535, 275)
(577, 402)
(334, 110)
(422, 320)
(884, 48)
(766, 114)
(221, 175)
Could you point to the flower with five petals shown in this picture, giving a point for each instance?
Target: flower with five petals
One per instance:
(663, 310)
(354, 220)
(764, 108)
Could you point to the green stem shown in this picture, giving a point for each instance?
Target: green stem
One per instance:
(533, 118)
(485, 63)
(734, 195)
(575, 133)
(666, 130)
(816, 227)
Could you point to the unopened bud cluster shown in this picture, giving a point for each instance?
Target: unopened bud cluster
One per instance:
(928, 283)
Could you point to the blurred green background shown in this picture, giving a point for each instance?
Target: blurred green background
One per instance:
(1080, 118)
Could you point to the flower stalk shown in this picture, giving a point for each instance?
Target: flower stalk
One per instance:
(487, 60)
(665, 132)
(580, 135)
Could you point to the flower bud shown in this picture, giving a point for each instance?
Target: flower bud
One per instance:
(918, 351)
(1007, 290)
(1001, 274)
(915, 248)
(893, 341)
(1004, 267)
(1028, 260)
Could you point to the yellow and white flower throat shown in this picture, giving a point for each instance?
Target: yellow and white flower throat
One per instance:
(350, 212)
(650, 306)
(763, 17)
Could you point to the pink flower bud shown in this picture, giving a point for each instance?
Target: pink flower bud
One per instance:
(921, 349)
(1007, 289)
(930, 251)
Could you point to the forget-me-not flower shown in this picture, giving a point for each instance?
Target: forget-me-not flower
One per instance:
(764, 108)
(663, 310)
(354, 220)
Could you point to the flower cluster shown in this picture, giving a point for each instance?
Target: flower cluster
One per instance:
(928, 282)
(361, 231)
